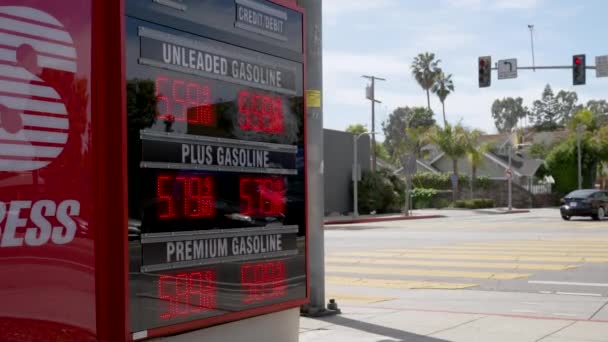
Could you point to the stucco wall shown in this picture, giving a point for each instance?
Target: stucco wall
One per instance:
(338, 161)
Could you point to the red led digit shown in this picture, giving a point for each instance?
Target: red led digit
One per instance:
(163, 103)
(182, 294)
(163, 283)
(193, 99)
(199, 191)
(179, 100)
(207, 114)
(162, 197)
(202, 291)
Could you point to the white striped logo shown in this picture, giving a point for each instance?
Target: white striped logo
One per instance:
(33, 117)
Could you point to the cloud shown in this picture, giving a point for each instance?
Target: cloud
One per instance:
(356, 63)
(494, 4)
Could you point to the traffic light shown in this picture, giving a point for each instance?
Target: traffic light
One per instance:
(485, 71)
(579, 74)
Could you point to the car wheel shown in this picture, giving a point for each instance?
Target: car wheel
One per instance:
(601, 213)
(566, 218)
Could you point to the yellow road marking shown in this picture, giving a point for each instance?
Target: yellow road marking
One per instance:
(496, 265)
(435, 255)
(504, 251)
(426, 273)
(396, 284)
(342, 297)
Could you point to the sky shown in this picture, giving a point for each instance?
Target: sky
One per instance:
(381, 38)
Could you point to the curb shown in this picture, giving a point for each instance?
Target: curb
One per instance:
(382, 219)
(514, 211)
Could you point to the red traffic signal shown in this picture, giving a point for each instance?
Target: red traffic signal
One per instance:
(579, 74)
(485, 71)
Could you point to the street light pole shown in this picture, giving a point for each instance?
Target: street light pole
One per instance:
(356, 171)
(510, 180)
(355, 177)
(531, 27)
(372, 98)
(579, 129)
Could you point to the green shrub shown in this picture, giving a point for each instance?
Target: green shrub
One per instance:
(423, 198)
(381, 191)
(476, 203)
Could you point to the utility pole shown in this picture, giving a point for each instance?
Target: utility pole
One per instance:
(314, 157)
(371, 95)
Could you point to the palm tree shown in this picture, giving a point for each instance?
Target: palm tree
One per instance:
(475, 154)
(425, 70)
(443, 87)
(452, 141)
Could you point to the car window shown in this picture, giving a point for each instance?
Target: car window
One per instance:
(580, 194)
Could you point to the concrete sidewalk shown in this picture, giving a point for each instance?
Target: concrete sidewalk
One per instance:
(421, 214)
(361, 324)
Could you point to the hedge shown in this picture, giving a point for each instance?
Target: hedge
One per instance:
(442, 181)
(476, 203)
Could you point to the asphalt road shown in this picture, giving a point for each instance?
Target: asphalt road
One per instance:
(529, 265)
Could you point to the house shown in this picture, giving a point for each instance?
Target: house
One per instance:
(494, 164)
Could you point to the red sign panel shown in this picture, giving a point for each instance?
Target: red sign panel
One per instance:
(47, 279)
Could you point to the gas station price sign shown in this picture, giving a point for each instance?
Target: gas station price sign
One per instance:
(215, 162)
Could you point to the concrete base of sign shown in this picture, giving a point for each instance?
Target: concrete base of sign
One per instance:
(280, 326)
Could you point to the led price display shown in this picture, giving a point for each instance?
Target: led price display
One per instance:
(216, 170)
(185, 196)
(187, 293)
(263, 281)
(180, 100)
(259, 112)
(262, 196)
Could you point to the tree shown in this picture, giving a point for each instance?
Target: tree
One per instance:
(356, 129)
(451, 140)
(562, 160)
(566, 105)
(399, 120)
(600, 109)
(475, 153)
(425, 70)
(381, 153)
(442, 88)
(545, 111)
(507, 113)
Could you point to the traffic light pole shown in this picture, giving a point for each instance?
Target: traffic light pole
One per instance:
(590, 67)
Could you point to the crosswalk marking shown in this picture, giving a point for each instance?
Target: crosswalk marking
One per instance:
(498, 260)
(546, 267)
(426, 273)
(396, 284)
(481, 256)
(503, 251)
